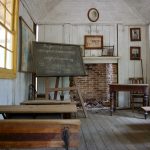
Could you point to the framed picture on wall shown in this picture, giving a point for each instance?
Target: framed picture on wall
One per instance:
(108, 51)
(135, 34)
(93, 41)
(135, 53)
(26, 38)
(93, 14)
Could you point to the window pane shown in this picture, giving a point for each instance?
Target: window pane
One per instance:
(2, 57)
(8, 20)
(2, 36)
(9, 60)
(9, 41)
(3, 1)
(1, 13)
(9, 4)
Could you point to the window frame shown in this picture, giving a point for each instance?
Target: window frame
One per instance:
(4, 72)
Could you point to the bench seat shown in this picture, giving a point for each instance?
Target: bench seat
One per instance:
(39, 133)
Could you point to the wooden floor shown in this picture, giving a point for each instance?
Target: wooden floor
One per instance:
(122, 131)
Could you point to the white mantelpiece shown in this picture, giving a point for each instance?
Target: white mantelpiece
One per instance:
(98, 60)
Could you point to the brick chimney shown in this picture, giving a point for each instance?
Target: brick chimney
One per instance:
(94, 86)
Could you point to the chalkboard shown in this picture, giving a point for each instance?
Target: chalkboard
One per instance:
(52, 59)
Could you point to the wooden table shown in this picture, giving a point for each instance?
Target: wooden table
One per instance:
(114, 88)
(34, 111)
(45, 102)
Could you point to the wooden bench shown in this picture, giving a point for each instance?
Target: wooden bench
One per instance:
(36, 111)
(46, 102)
(146, 110)
(25, 133)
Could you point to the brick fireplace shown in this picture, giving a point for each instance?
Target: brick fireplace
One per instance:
(95, 85)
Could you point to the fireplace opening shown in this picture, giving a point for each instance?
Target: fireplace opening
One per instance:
(95, 86)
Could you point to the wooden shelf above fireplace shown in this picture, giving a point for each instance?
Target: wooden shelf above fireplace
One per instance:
(100, 60)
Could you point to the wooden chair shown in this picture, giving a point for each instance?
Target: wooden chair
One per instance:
(136, 97)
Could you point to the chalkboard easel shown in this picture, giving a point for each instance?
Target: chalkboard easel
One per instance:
(58, 60)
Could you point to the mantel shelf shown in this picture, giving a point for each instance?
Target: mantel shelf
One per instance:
(102, 60)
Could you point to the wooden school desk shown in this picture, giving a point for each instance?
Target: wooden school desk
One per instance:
(45, 102)
(114, 88)
(36, 111)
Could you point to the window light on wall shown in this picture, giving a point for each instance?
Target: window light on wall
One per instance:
(8, 37)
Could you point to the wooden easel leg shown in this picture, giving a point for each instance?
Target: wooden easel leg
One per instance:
(56, 86)
(82, 103)
(81, 99)
(46, 87)
(34, 84)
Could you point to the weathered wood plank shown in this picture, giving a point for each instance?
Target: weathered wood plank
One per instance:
(67, 108)
(131, 134)
(123, 130)
(38, 133)
(96, 134)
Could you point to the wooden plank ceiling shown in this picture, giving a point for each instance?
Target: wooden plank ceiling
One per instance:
(75, 11)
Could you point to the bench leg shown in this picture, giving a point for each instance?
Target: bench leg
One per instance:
(65, 137)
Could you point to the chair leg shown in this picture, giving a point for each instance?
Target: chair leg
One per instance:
(132, 103)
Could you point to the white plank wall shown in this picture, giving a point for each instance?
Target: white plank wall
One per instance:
(14, 91)
(126, 67)
(74, 34)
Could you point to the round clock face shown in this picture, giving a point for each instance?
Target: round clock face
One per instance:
(93, 14)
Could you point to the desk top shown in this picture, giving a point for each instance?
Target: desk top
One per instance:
(67, 108)
(129, 85)
(45, 102)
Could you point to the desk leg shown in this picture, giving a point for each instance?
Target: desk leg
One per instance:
(145, 104)
(145, 100)
(4, 115)
(145, 114)
(111, 102)
(115, 100)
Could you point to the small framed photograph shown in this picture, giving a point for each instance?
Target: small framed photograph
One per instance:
(93, 42)
(135, 34)
(108, 51)
(135, 53)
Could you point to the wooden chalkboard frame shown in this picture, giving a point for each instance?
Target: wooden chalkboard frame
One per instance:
(57, 60)
(26, 38)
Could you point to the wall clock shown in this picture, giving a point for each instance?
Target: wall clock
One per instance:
(93, 14)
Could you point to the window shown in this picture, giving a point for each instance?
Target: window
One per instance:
(8, 37)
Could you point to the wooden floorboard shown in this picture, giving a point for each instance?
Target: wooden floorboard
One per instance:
(96, 134)
(123, 140)
(108, 133)
(142, 130)
(122, 131)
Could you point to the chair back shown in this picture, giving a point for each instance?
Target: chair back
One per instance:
(138, 80)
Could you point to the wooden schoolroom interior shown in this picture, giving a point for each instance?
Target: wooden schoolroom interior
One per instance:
(75, 74)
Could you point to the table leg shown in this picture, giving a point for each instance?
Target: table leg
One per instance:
(145, 114)
(145, 100)
(4, 115)
(111, 103)
(115, 100)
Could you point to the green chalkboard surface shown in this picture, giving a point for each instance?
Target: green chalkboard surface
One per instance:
(52, 59)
